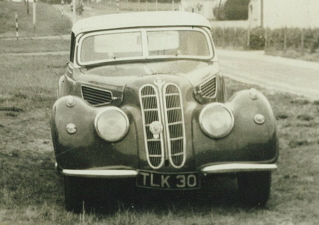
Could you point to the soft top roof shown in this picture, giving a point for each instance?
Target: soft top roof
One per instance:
(139, 19)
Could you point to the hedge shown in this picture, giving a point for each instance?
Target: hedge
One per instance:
(302, 40)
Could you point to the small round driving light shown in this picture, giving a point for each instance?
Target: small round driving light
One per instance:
(111, 124)
(71, 128)
(216, 120)
(259, 119)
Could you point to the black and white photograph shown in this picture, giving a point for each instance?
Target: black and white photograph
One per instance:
(153, 112)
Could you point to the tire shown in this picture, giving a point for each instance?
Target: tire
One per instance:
(254, 188)
(73, 194)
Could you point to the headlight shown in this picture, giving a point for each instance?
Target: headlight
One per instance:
(111, 124)
(216, 120)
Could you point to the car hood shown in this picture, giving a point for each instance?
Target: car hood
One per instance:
(117, 76)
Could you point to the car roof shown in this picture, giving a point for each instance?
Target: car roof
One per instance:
(139, 19)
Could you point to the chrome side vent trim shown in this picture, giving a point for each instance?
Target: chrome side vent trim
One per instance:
(150, 107)
(208, 88)
(96, 96)
(175, 125)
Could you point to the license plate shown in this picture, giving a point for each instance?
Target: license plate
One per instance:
(172, 181)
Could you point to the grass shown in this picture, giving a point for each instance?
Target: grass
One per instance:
(48, 20)
(291, 53)
(49, 23)
(135, 6)
(31, 192)
(33, 46)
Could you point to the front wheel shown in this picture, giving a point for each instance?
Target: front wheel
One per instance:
(254, 187)
(73, 194)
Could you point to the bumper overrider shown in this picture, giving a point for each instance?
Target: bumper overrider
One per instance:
(108, 142)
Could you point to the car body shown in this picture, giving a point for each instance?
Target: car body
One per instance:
(145, 99)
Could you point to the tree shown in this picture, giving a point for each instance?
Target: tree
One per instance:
(236, 9)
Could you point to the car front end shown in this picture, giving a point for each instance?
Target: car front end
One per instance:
(156, 110)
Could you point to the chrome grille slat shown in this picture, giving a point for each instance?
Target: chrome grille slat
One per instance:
(173, 108)
(178, 154)
(178, 122)
(96, 96)
(151, 112)
(176, 139)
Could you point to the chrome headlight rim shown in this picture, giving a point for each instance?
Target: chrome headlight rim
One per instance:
(210, 107)
(117, 110)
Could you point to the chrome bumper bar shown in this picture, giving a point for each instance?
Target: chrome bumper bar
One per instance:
(238, 167)
(214, 169)
(101, 173)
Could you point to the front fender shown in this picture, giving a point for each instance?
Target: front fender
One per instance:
(84, 148)
(248, 141)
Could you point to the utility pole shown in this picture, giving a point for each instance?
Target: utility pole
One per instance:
(74, 11)
(262, 13)
(28, 7)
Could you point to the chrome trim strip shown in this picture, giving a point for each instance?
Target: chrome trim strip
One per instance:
(238, 167)
(101, 173)
(145, 49)
(160, 85)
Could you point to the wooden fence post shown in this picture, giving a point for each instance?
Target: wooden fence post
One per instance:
(235, 37)
(302, 45)
(117, 6)
(248, 37)
(17, 26)
(28, 7)
(223, 43)
(74, 10)
(62, 8)
(266, 38)
(285, 39)
(34, 14)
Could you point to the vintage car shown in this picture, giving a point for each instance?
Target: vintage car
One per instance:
(143, 98)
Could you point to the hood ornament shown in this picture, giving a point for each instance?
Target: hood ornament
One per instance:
(159, 82)
(156, 128)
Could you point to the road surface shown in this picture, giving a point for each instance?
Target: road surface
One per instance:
(282, 74)
(253, 67)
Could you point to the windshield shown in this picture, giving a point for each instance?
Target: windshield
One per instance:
(144, 44)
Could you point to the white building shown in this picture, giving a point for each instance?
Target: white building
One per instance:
(263, 13)
(202, 7)
(284, 13)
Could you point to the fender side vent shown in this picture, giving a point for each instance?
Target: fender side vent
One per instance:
(96, 96)
(208, 88)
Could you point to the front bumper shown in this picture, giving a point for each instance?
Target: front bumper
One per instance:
(213, 169)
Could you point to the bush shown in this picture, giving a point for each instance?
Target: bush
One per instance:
(284, 39)
(236, 9)
(257, 39)
(230, 37)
